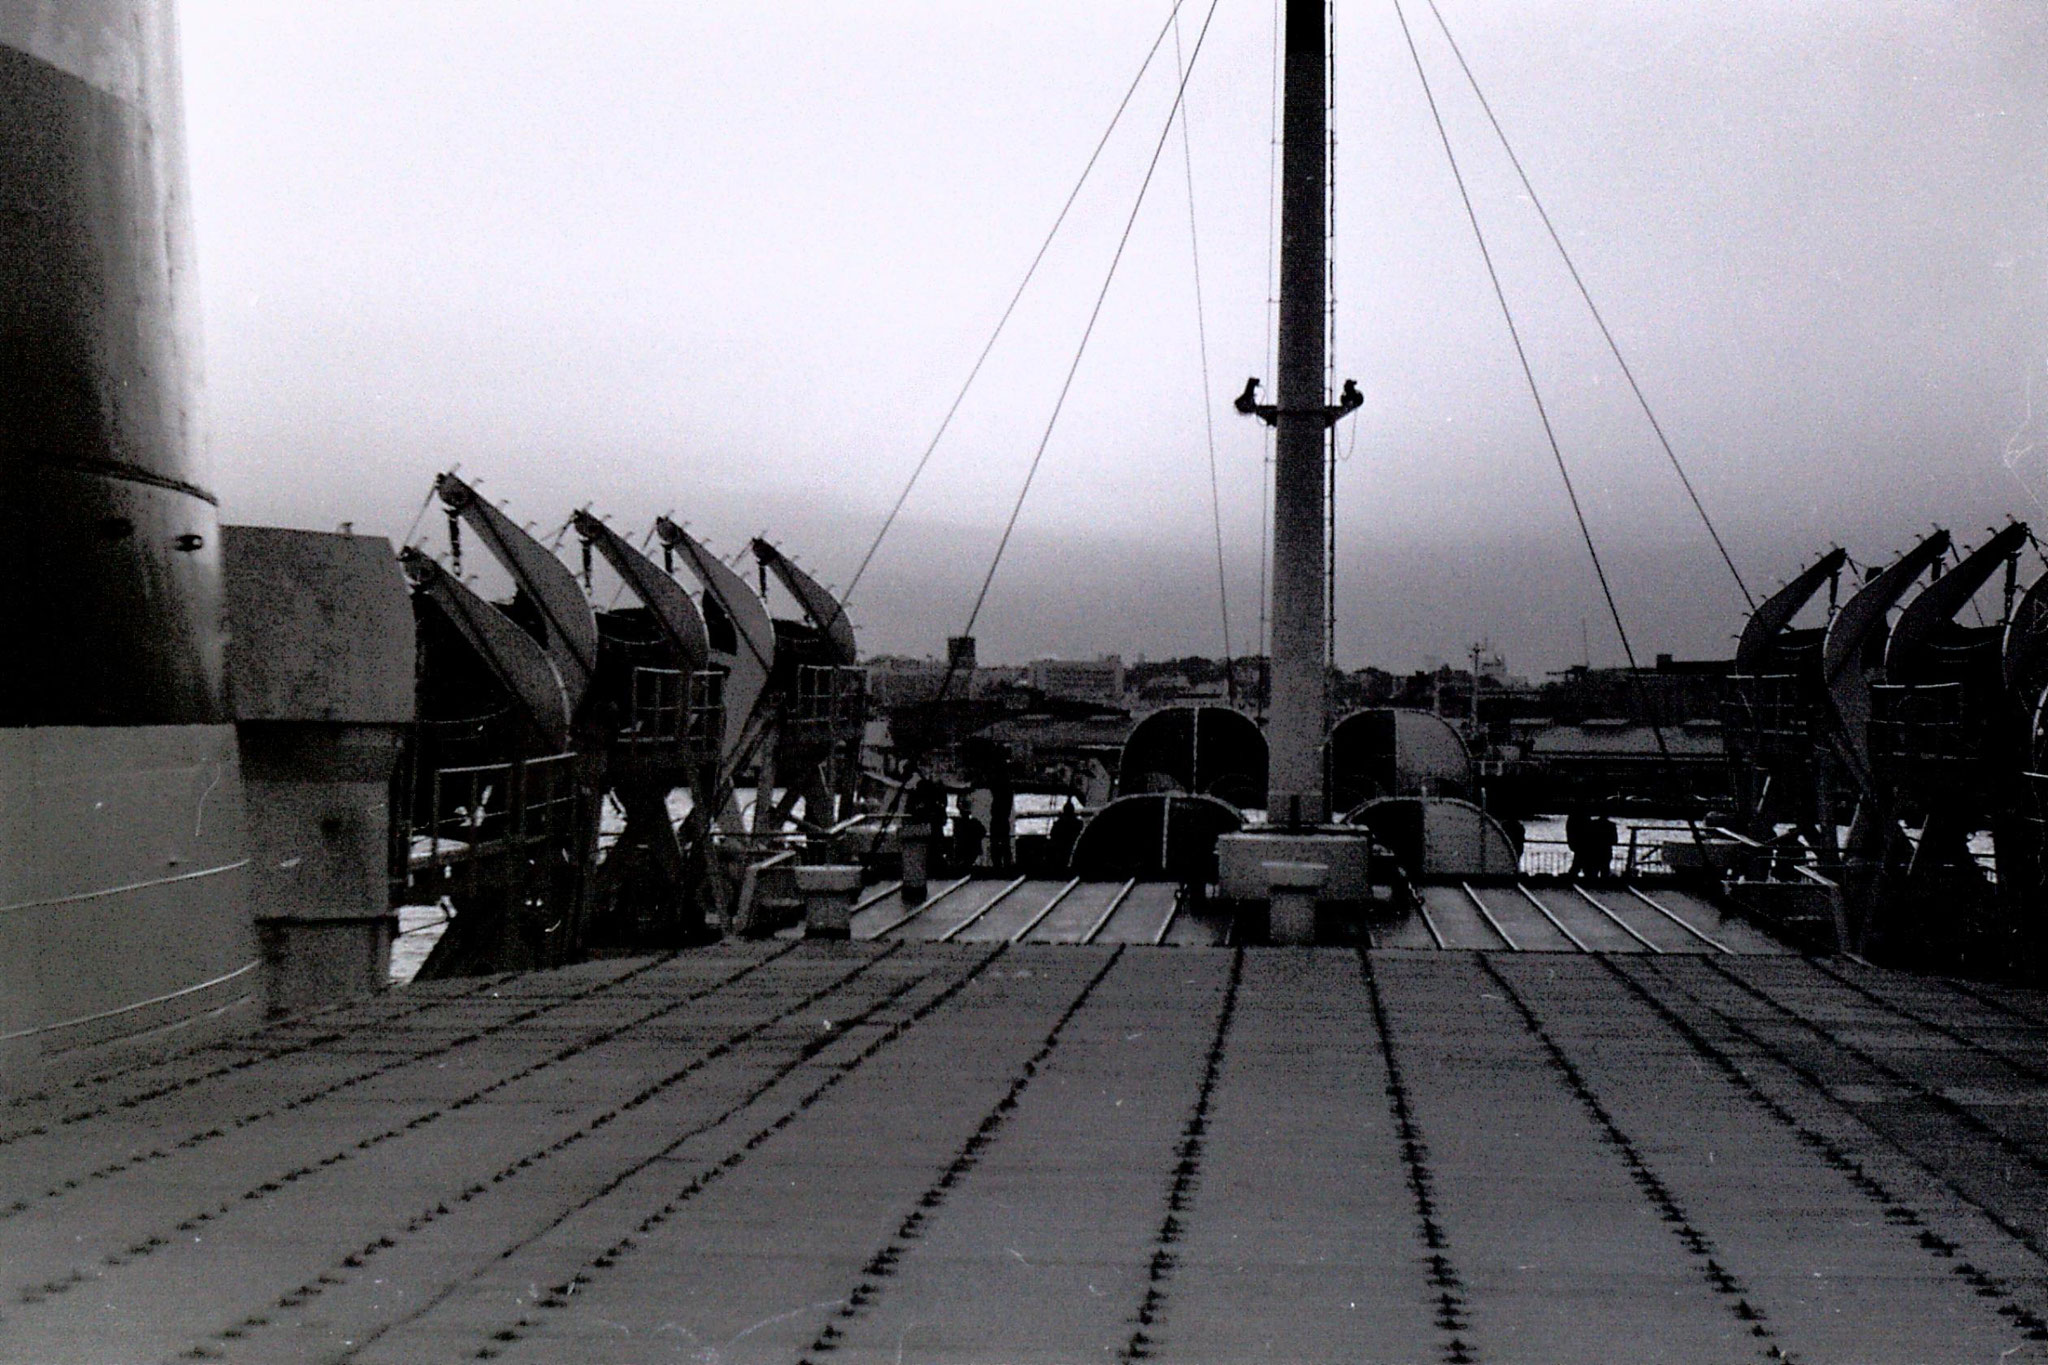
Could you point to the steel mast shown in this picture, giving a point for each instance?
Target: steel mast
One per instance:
(1300, 657)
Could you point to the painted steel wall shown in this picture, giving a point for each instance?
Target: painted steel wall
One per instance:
(109, 553)
(122, 906)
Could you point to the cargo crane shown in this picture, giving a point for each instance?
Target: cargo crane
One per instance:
(504, 784)
(1949, 744)
(534, 712)
(662, 713)
(1920, 735)
(821, 695)
(796, 703)
(628, 703)
(1777, 721)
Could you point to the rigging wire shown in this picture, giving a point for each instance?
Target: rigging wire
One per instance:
(1266, 435)
(1329, 343)
(1613, 347)
(561, 534)
(1066, 386)
(975, 370)
(419, 517)
(1159, 147)
(1208, 407)
(1536, 395)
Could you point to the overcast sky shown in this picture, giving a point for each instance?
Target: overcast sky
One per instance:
(734, 261)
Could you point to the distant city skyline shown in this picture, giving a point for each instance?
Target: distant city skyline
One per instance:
(735, 261)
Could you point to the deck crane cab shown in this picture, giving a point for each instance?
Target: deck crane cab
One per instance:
(821, 700)
(1776, 715)
(1919, 732)
(741, 640)
(524, 897)
(491, 813)
(662, 719)
(1947, 745)
(534, 709)
(1852, 662)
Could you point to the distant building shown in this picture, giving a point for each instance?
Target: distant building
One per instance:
(1097, 680)
(1605, 758)
(1675, 691)
(894, 680)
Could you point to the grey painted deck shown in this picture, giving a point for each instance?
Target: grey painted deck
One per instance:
(1551, 917)
(884, 1151)
(1017, 910)
(1524, 917)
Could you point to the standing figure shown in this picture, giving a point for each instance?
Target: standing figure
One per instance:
(1066, 828)
(1601, 837)
(1577, 837)
(968, 833)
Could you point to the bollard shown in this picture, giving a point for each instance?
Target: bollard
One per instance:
(1292, 891)
(917, 857)
(828, 893)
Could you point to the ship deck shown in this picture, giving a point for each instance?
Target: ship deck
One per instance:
(1518, 916)
(890, 1150)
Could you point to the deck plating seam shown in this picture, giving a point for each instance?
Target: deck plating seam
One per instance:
(2011, 1064)
(559, 1295)
(1820, 1087)
(1732, 1293)
(1971, 1120)
(42, 1129)
(322, 1040)
(199, 1139)
(34, 1294)
(883, 1263)
(1443, 1275)
(1896, 1211)
(512, 1170)
(1187, 1173)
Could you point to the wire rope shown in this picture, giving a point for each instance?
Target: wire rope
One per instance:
(1208, 406)
(1010, 308)
(1542, 412)
(1272, 348)
(418, 517)
(1613, 346)
(916, 769)
(1094, 315)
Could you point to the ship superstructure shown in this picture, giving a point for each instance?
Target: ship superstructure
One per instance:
(122, 852)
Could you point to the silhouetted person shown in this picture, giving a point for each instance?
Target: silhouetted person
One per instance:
(968, 833)
(1002, 827)
(1577, 832)
(1066, 828)
(1601, 837)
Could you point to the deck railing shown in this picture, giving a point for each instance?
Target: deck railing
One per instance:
(1638, 854)
(830, 699)
(670, 706)
(483, 807)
